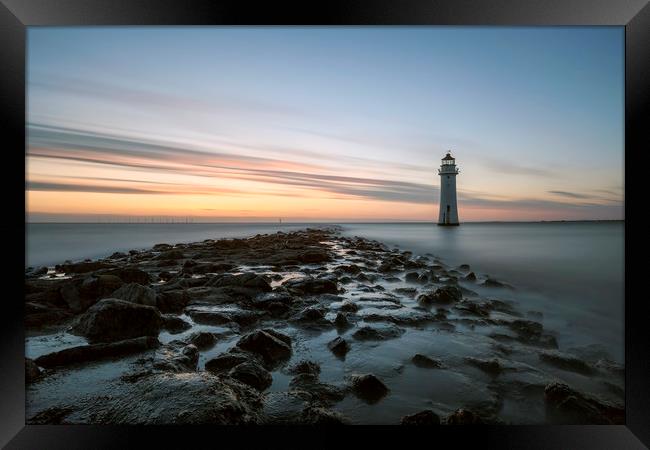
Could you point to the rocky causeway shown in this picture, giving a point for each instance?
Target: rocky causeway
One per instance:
(304, 327)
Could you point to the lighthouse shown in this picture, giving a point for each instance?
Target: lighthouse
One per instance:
(448, 207)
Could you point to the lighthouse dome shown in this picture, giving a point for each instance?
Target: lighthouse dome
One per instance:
(448, 157)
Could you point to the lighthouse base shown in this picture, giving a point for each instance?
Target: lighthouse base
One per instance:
(448, 224)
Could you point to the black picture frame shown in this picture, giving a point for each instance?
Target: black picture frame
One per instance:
(16, 15)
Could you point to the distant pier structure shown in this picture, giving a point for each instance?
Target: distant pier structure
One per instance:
(448, 207)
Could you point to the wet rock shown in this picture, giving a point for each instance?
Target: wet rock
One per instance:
(491, 282)
(130, 275)
(445, 294)
(170, 255)
(203, 340)
(173, 301)
(165, 276)
(315, 314)
(350, 268)
(252, 374)
(473, 308)
(304, 366)
(94, 352)
(113, 320)
(567, 405)
(81, 293)
(272, 346)
(317, 415)
(611, 367)
(181, 398)
(342, 321)
(161, 247)
(118, 255)
(83, 267)
(32, 371)
(470, 277)
(463, 417)
(400, 316)
(174, 324)
(490, 366)
(412, 277)
(314, 256)
(409, 292)
(136, 293)
(226, 361)
(426, 417)
(177, 356)
(368, 333)
(270, 300)
(425, 362)
(349, 307)
(464, 267)
(310, 286)
(317, 392)
(368, 388)
(339, 346)
(38, 315)
(566, 362)
(250, 281)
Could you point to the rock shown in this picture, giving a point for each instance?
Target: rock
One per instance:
(310, 286)
(368, 333)
(250, 281)
(309, 314)
(272, 346)
(136, 293)
(113, 320)
(94, 352)
(226, 361)
(317, 415)
(203, 340)
(463, 417)
(368, 388)
(445, 294)
(177, 357)
(161, 247)
(181, 398)
(351, 268)
(349, 307)
(173, 301)
(491, 282)
(130, 275)
(425, 362)
(118, 255)
(304, 366)
(174, 324)
(566, 362)
(240, 317)
(252, 374)
(464, 267)
(81, 293)
(317, 392)
(342, 321)
(426, 417)
(32, 371)
(412, 277)
(470, 277)
(82, 267)
(339, 346)
(170, 255)
(51, 416)
(572, 407)
(314, 256)
(492, 366)
(165, 276)
(39, 315)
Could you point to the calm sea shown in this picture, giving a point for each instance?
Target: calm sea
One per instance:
(573, 272)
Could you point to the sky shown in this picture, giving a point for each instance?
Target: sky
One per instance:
(324, 123)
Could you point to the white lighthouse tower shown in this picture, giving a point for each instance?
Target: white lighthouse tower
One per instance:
(448, 207)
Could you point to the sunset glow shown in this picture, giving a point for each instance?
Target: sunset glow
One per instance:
(322, 124)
